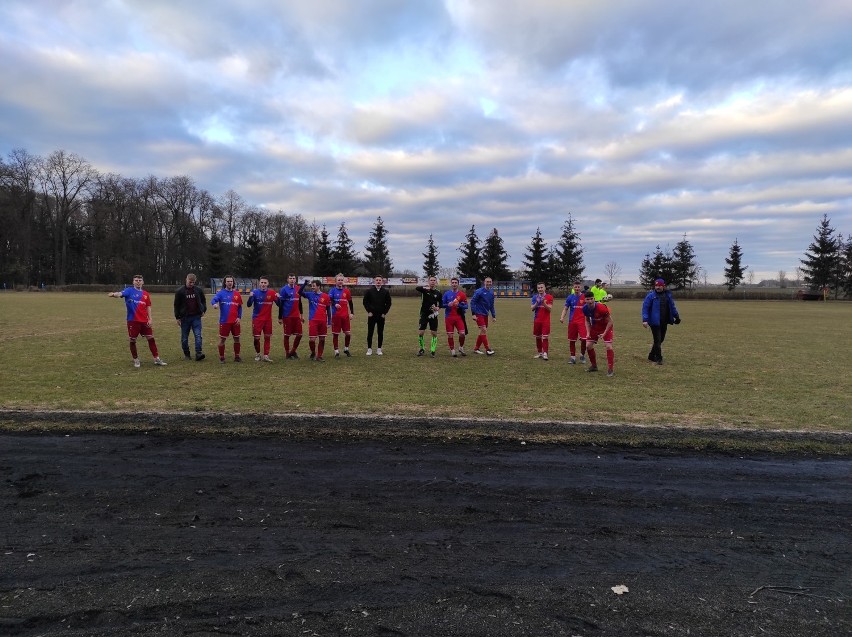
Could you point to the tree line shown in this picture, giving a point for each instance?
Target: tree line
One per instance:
(62, 222)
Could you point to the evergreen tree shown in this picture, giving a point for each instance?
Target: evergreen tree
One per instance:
(343, 258)
(376, 255)
(846, 267)
(821, 262)
(684, 267)
(216, 265)
(567, 257)
(470, 265)
(536, 260)
(251, 261)
(323, 260)
(658, 266)
(430, 264)
(494, 258)
(735, 269)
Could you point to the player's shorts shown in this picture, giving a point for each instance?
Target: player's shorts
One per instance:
(135, 328)
(598, 333)
(317, 328)
(428, 321)
(576, 330)
(454, 322)
(292, 325)
(261, 326)
(481, 320)
(226, 329)
(340, 323)
(541, 329)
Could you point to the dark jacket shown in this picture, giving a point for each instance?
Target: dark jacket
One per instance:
(377, 301)
(651, 309)
(180, 301)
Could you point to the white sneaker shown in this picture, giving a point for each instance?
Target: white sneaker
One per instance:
(478, 351)
(137, 362)
(573, 360)
(266, 359)
(544, 356)
(453, 353)
(537, 355)
(159, 361)
(489, 352)
(379, 352)
(257, 357)
(461, 351)
(582, 360)
(369, 351)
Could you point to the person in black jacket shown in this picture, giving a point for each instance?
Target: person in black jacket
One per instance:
(190, 306)
(377, 303)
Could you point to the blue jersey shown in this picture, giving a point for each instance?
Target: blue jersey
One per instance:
(137, 302)
(289, 302)
(230, 305)
(449, 297)
(482, 302)
(574, 303)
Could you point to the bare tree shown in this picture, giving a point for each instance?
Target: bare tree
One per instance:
(782, 279)
(612, 271)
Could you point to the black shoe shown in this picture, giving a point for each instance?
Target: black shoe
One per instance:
(313, 356)
(348, 353)
(186, 356)
(421, 352)
(294, 356)
(200, 356)
(592, 369)
(432, 354)
(238, 359)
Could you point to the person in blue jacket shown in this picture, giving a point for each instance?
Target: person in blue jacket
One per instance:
(658, 312)
(481, 305)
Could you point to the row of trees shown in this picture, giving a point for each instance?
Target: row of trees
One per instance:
(61, 221)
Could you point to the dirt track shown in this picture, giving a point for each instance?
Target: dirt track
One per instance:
(150, 535)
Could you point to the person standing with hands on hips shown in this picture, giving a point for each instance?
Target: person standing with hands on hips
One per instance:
(658, 312)
(377, 304)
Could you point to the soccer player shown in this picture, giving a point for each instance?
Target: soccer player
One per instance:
(139, 320)
(190, 306)
(430, 305)
(319, 311)
(290, 316)
(230, 304)
(481, 304)
(576, 322)
(541, 304)
(598, 325)
(377, 304)
(454, 303)
(658, 312)
(342, 311)
(262, 299)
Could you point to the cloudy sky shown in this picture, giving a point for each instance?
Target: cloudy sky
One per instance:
(645, 120)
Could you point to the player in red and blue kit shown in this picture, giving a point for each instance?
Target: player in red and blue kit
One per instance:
(342, 311)
(139, 321)
(482, 304)
(262, 300)
(290, 315)
(598, 324)
(541, 305)
(454, 303)
(319, 312)
(576, 322)
(230, 305)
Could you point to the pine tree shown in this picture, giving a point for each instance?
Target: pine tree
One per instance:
(821, 262)
(495, 258)
(567, 262)
(323, 260)
(430, 264)
(846, 267)
(536, 260)
(215, 257)
(684, 267)
(251, 261)
(470, 265)
(660, 266)
(343, 258)
(735, 270)
(376, 255)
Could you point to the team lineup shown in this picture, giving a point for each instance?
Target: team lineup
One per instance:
(588, 318)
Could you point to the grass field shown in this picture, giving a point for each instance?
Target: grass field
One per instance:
(746, 364)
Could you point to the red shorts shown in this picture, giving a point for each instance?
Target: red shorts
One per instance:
(292, 325)
(576, 330)
(542, 329)
(598, 333)
(261, 326)
(341, 324)
(454, 322)
(317, 328)
(481, 320)
(135, 328)
(225, 329)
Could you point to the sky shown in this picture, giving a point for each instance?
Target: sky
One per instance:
(645, 120)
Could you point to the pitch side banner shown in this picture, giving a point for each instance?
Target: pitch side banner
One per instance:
(364, 281)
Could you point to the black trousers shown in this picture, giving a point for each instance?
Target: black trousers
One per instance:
(659, 334)
(375, 323)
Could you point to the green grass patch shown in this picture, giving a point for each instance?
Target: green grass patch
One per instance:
(742, 365)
